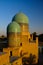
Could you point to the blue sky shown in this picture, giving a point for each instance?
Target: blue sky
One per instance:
(32, 8)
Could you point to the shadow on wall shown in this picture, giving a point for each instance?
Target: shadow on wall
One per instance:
(29, 60)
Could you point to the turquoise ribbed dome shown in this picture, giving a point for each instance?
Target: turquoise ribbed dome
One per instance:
(13, 27)
(20, 18)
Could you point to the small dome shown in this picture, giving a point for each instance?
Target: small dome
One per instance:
(20, 18)
(13, 27)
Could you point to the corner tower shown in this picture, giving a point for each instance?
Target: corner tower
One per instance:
(13, 33)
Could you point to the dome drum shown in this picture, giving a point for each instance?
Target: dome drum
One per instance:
(14, 39)
(24, 27)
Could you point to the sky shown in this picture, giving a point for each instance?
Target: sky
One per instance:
(32, 8)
